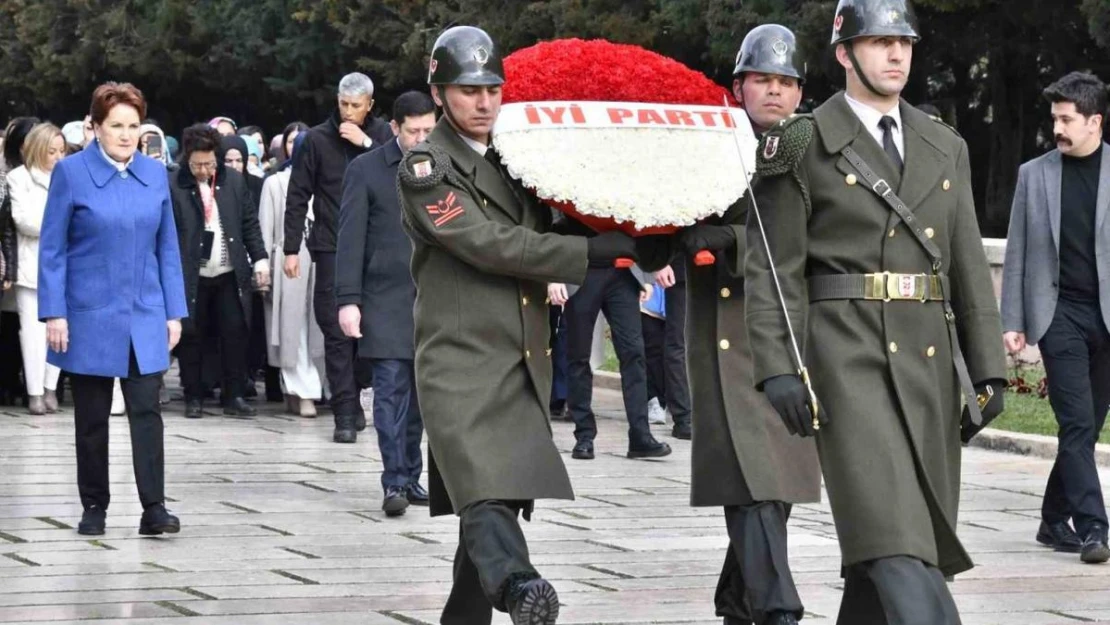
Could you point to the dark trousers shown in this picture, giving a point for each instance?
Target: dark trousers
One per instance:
(616, 294)
(755, 579)
(677, 386)
(92, 402)
(11, 365)
(339, 350)
(219, 309)
(1076, 354)
(558, 345)
(491, 553)
(896, 591)
(397, 421)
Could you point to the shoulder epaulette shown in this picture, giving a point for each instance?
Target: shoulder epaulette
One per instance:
(783, 146)
(945, 124)
(424, 167)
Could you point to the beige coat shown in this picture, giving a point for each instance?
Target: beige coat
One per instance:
(289, 303)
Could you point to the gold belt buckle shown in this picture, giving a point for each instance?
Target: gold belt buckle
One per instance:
(904, 286)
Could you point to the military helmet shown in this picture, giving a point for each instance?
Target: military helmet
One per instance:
(770, 49)
(874, 18)
(465, 55)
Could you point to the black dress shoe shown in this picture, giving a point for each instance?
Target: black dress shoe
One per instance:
(533, 602)
(649, 449)
(157, 520)
(780, 618)
(1095, 549)
(416, 494)
(1059, 536)
(583, 450)
(360, 421)
(238, 407)
(193, 409)
(394, 503)
(345, 431)
(732, 620)
(92, 522)
(682, 431)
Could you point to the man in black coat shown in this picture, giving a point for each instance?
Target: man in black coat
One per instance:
(372, 276)
(318, 176)
(221, 248)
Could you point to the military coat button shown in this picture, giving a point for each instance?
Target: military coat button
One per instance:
(932, 351)
(524, 301)
(726, 293)
(891, 233)
(850, 179)
(527, 353)
(724, 344)
(947, 184)
(929, 232)
(893, 348)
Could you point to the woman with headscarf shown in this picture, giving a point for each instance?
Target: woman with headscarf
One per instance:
(294, 340)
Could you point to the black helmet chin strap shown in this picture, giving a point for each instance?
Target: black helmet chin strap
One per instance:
(849, 47)
(442, 90)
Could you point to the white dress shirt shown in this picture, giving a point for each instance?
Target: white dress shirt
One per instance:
(477, 146)
(870, 117)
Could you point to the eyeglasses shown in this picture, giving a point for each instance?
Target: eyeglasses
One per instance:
(202, 166)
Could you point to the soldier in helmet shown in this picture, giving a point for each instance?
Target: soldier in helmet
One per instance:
(482, 257)
(743, 457)
(868, 215)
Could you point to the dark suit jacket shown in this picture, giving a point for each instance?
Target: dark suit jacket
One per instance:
(239, 219)
(373, 254)
(1031, 274)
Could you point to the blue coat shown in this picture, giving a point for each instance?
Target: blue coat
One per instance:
(109, 264)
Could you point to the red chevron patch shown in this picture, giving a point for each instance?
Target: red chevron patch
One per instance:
(445, 210)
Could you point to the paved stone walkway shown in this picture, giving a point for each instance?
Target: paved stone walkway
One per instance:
(281, 526)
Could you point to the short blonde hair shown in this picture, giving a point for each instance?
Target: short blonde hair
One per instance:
(37, 145)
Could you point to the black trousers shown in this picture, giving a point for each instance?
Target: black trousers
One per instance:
(896, 591)
(557, 321)
(340, 351)
(492, 553)
(677, 383)
(616, 294)
(1076, 354)
(92, 403)
(755, 579)
(219, 309)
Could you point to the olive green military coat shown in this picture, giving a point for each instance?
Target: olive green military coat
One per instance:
(481, 263)
(741, 451)
(883, 370)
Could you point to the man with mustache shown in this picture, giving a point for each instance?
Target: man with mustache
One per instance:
(867, 210)
(743, 458)
(1051, 296)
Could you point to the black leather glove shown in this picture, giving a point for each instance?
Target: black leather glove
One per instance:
(706, 237)
(789, 397)
(994, 406)
(607, 247)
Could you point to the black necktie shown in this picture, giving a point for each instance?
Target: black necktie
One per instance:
(887, 124)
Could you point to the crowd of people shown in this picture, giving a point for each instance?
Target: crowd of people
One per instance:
(396, 267)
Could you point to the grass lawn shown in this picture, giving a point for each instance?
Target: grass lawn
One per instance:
(1031, 414)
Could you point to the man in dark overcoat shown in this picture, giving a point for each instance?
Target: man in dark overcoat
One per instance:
(868, 212)
(482, 256)
(375, 295)
(743, 457)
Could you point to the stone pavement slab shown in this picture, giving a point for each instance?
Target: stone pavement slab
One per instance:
(281, 526)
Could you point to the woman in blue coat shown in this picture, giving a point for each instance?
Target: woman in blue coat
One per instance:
(112, 297)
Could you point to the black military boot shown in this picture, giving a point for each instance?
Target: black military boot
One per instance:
(92, 522)
(649, 448)
(682, 431)
(780, 618)
(1095, 549)
(532, 602)
(157, 520)
(345, 431)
